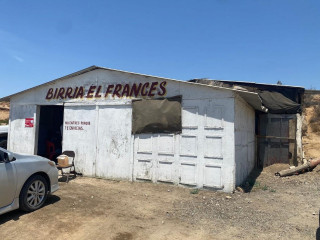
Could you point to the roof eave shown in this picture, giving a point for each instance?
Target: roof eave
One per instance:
(7, 98)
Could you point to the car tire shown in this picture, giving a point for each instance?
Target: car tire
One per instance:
(33, 194)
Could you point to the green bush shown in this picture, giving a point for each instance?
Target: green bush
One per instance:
(194, 191)
(4, 122)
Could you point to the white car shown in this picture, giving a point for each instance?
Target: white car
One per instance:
(25, 181)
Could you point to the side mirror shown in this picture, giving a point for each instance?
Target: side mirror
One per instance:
(8, 157)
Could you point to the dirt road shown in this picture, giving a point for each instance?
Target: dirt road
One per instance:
(276, 208)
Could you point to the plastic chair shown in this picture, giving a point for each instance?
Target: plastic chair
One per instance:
(70, 154)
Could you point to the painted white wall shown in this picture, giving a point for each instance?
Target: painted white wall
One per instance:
(299, 138)
(22, 139)
(244, 129)
(203, 155)
(84, 142)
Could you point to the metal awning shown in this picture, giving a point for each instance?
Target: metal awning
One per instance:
(253, 99)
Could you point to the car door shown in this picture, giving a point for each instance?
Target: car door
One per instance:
(7, 181)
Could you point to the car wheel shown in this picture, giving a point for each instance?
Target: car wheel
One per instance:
(33, 194)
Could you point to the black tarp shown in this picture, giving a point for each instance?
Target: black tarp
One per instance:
(278, 103)
(293, 93)
(157, 115)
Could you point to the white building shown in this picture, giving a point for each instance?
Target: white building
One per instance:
(215, 149)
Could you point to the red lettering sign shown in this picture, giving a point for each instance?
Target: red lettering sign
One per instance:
(29, 122)
(109, 91)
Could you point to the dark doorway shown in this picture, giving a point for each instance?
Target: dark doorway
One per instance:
(50, 131)
(276, 139)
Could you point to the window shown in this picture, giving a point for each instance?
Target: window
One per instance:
(2, 156)
(157, 115)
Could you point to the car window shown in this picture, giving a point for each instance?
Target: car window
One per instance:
(1, 156)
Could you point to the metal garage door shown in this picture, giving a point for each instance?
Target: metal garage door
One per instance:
(101, 139)
(193, 158)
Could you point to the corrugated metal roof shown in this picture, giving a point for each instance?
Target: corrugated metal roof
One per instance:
(312, 91)
(244, 82)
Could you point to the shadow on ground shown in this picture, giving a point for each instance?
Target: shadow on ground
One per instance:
(16, 214)
(72, 175)
(64, 178)
(250, 181)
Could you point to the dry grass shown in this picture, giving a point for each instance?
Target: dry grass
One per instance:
(315, 119)
(308, 100)
(312, 124)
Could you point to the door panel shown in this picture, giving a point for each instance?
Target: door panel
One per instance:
(7, 183)
(277, 139)
(194, 157)
(79, 135)
(114, 142)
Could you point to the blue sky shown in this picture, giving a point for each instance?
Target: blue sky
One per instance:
(262, 41)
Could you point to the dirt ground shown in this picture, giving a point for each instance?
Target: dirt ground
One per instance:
(86, 208)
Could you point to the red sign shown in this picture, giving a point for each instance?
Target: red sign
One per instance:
(29, 122)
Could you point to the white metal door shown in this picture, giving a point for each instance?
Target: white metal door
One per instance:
(155, 158)
(79, 135)
(194, 157)
(114, 142)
